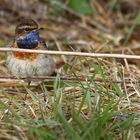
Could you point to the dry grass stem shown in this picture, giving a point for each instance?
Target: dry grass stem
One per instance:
(101, 55)
(63, 78)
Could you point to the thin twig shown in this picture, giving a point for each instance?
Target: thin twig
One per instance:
(63, 78)
(101, 55)
(59, 48)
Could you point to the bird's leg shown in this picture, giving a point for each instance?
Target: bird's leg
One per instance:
(44, 95)
(29, 82)
(28, 86)
(43, 89)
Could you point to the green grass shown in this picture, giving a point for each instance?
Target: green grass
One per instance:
(79, 7)
(79, 110)
(131, 30)
(72, 110)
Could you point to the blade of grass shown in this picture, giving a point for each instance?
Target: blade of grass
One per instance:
(136, 22)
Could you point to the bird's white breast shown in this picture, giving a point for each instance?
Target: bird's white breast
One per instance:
(42, 66)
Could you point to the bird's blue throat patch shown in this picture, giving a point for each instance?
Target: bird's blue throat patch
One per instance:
(29, 41)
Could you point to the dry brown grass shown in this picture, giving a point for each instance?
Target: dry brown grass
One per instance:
(105, 31)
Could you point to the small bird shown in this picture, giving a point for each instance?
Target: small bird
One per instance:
(28, 65)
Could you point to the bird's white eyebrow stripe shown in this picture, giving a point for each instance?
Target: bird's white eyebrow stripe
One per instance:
(27, 26)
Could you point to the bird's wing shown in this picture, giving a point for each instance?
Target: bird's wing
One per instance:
(43, 44)
(10, 44)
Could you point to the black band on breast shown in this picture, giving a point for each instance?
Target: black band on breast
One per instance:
(27, 45)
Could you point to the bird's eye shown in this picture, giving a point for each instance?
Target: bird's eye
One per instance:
(27, 29)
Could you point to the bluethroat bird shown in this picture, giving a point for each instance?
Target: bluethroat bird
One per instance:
(29, 64)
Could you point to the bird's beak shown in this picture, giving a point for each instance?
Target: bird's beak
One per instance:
(40, 29)
(37, 30)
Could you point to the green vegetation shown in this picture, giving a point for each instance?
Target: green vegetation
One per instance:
(72, 110)
(99, 98)
(80, 6)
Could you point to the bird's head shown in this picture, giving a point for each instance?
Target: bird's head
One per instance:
(27, 34)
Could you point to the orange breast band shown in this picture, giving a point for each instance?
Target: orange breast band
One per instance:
(22, 55)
